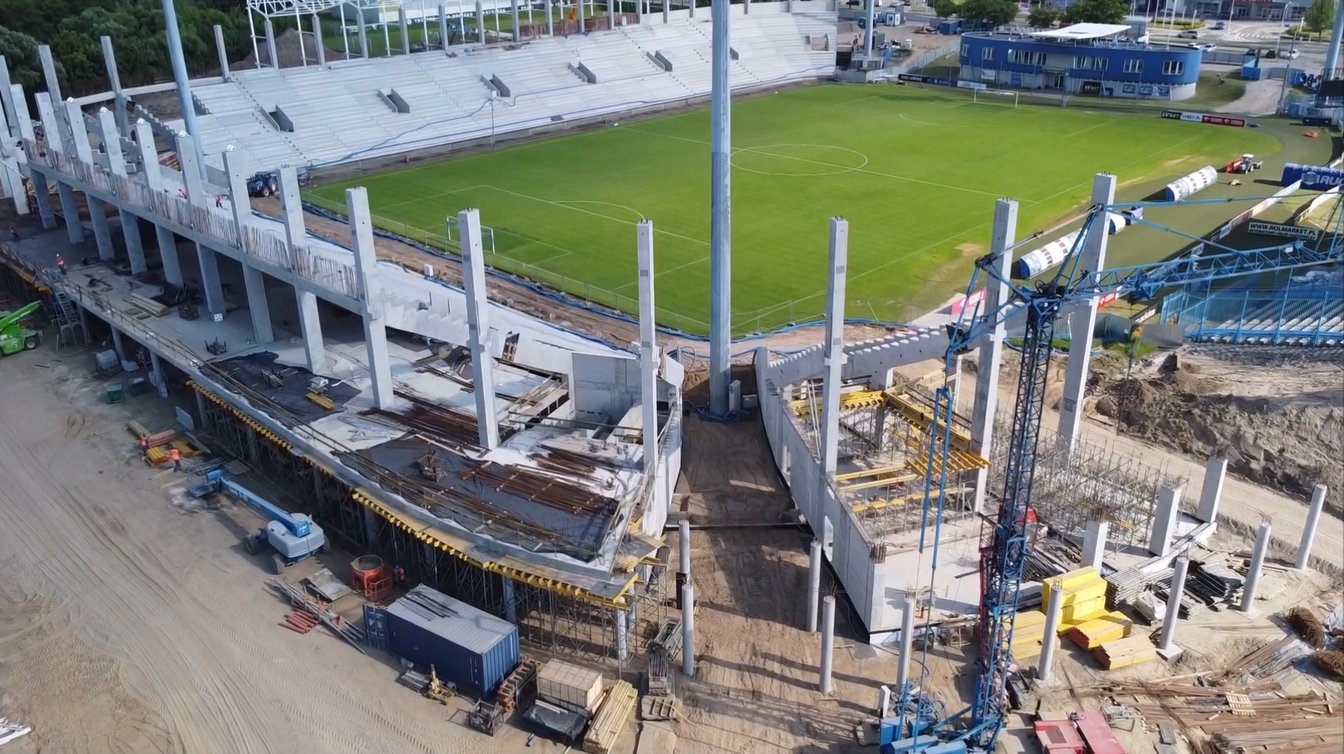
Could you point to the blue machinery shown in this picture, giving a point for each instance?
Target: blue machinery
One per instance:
(292, 537)
(976, 728)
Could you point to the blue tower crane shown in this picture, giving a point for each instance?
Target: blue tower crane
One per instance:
(977, 727)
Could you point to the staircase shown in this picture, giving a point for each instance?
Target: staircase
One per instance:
(64, 312)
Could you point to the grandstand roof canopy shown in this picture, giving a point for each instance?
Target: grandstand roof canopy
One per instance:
(1082, 32)
(272, 8)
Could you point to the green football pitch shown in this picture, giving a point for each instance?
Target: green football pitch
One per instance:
(916, 174)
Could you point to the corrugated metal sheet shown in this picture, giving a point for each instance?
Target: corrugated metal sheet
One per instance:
(466, 646)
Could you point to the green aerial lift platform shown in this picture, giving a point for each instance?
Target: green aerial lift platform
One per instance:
(14, 337)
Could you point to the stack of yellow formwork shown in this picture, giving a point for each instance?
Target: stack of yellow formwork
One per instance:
(1084, 597)
(1122, 653)
(1106, 628)
(1028, 630)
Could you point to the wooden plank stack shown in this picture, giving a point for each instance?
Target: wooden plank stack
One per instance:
(1126, 652)
(146, 304)
(609, 722)
(1084, 597)
(1107, 627)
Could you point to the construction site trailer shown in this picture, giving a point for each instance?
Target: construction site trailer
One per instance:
(467, 647)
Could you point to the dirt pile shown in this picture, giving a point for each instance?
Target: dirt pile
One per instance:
(1276, 425)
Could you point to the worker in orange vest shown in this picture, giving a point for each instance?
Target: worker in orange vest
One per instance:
(176, 458)
(60, 263)
(144, 447)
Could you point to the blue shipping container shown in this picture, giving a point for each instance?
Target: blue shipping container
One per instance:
(466, 646)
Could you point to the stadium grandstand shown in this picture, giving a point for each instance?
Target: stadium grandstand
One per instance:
(340, 111)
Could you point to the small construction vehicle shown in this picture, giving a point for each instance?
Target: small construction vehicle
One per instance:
(14, 336)
(264, 183)
(291, 537)
(428, 686)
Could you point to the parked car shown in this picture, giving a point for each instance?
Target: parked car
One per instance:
(1220, 25)
(1290, 54)
(1208, 47)
(1188, 34)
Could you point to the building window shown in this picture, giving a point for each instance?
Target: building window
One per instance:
(988, 53)
(1173, 68)
(965, 51)
(1134, 65)
(1026, 57)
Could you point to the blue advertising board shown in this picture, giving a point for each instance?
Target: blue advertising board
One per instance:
(1317, 178)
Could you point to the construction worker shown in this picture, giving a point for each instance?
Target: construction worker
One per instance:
(13, 231)
(60, 264)
(176, 458)
(399, 573)
(144, 447)
(219, 200)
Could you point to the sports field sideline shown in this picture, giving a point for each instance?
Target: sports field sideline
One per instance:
(915, 172)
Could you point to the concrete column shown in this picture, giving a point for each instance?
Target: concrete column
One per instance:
(1083, 319)
(1180, 568)
(684, 543)
(513, 13)
(135, 245)
(160, 381)
(1094, 543)
(172, 265)
(1046, 667)
(510, 606)
(720, 217)
(883, 701)
(882, 382)
(191, 170)
(74, 229)
(291, 205)
(317, 37)
(746, 7)
(688, 630)
(1309, 528)
(550, 22)
(405, 30)
(827, 643)
(1257, 566)
(639, 12)
(692, 8)
(990, 357)
(114, 79)
(370, 289)
(221, 53)
(78, 145)
(1165, 515)
(813, 584)
(51, 123)
(258, 307)
(622, 626)
(149, 155)
(835, 350)
(110, 133)
(370, 529)
(907, 645)
(578, 4)
(611, 13)
(272, 57)
(210, 282)
(310, 322)
(102, 233)
(480, 23)
(363, 34)
(1215, 472)
(443, 28)
(478, 326)
(201, 411)
(118, 342)
(648, 350)
(43, 193)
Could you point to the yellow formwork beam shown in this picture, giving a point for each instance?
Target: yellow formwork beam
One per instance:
(894, 502)
(885, 481)
(865, 473)
(244, 418)
(854, 399)
(921, 416)
(957, 460)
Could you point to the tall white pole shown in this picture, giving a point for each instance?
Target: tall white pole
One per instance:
(827, 642)
(1309, 528)
(720, 235)
(813, 584)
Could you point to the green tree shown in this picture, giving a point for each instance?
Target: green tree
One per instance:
(1097, 12)
(20, 53)
(945, 8)
(1041, 17)
(991, 12)
(1319, 17)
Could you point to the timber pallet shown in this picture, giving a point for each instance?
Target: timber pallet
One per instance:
(514, 684)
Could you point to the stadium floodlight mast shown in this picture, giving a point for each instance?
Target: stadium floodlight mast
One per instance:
(720, 240)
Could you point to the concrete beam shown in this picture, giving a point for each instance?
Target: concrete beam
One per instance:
(258, 307)
(240, 202)
(20, 103)
(478, 326)
(51, 125)
(149, 155)
(53, 83)
(7, 98)
(114, 79)
(648, 349)
(1083, 319)
(291, 205)
(366, 270)
(989, 360)
(79, 133)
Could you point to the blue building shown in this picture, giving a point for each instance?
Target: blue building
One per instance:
(1088, 59)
